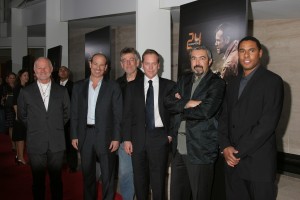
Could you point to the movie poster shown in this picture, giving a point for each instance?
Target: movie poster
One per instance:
(97, 41)
(217, 24)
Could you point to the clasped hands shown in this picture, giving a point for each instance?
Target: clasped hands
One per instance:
(229, 155)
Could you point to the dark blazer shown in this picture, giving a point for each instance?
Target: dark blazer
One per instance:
(108, 113)
(248, 123)
(133, 125)
(69, 86)
(45, 129)
(201, 122)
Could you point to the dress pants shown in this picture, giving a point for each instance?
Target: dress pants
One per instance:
(39, 163)
(71, 152)
(89, 153)
(190, 181)
(238, 188)
(150, 165)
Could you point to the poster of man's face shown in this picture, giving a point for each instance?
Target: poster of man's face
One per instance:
(218, 25)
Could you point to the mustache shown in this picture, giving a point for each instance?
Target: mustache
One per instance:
(198, 70)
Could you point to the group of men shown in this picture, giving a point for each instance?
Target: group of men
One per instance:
(142, 115)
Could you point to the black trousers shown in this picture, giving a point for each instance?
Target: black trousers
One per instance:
(39, 163)
(190, 181)
(71, 152)
(150, 166)
(89, 153)
(238, 188)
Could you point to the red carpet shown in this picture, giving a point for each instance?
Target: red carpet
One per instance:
(16, 181)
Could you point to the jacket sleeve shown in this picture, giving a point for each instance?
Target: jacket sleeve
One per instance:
(117, 112)
(74, 112)
(209, 106)
(127, 113)
(174, 105)
(223, 136)
(22, 108)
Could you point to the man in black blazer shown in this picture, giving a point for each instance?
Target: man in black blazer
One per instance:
(251, 111)
(196, 101)
(147, 143)
(71, 152)
(96, 115)
(44, 108)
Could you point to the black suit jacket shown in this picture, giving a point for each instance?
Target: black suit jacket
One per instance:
(248, 124)
(69, 86)
(45, 129)
(201, 122)
(108, 113)
(133, 125)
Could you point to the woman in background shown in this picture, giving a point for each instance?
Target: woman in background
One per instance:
(7, 101)
(19, 131)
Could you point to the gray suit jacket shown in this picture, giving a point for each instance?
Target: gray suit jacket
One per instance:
(108, 113)
(45, 129)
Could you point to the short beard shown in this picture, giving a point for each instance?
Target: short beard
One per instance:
(197, 73)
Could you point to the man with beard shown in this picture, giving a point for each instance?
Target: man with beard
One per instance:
(226, 46)
(195, 101)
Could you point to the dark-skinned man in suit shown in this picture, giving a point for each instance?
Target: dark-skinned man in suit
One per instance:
(96, 113)
(145, 128)
(195, 101)
(251, 112)
(44, 108)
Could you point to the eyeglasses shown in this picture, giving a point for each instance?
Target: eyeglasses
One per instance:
(131, 60)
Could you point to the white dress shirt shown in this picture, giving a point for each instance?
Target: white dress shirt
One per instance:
(155, 83)
(92, 100)
(45, 92)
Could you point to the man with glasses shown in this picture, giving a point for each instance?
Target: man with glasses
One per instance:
(129, 62)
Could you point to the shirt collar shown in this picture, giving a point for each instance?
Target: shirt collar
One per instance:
(154, 79)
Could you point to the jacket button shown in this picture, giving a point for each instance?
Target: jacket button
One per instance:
(233, 126)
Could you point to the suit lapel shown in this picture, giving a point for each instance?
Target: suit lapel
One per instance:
(251, 83)
(85, 91)
(52, 95)
(102, 92)
(202, 84)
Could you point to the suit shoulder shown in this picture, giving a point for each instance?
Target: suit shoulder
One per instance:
(167, 81)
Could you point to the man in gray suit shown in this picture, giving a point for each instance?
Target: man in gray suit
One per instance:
(44, 108)
(95, 126)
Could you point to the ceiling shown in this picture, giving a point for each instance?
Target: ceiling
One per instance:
(260, 9)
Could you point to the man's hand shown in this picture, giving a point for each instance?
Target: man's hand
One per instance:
(192, 103)
(229, 156)
(170, 139)
(128, 147)
(177, 96)
(114, 145)
(75, 143)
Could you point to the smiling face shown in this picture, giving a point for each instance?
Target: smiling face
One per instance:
(249, 56)
(129, 63)
(43, 70)
(98, 66)
(200, 62)
(24, 78)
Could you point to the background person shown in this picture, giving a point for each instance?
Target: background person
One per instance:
(19, 131)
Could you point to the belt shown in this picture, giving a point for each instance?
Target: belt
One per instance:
(90, 125)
